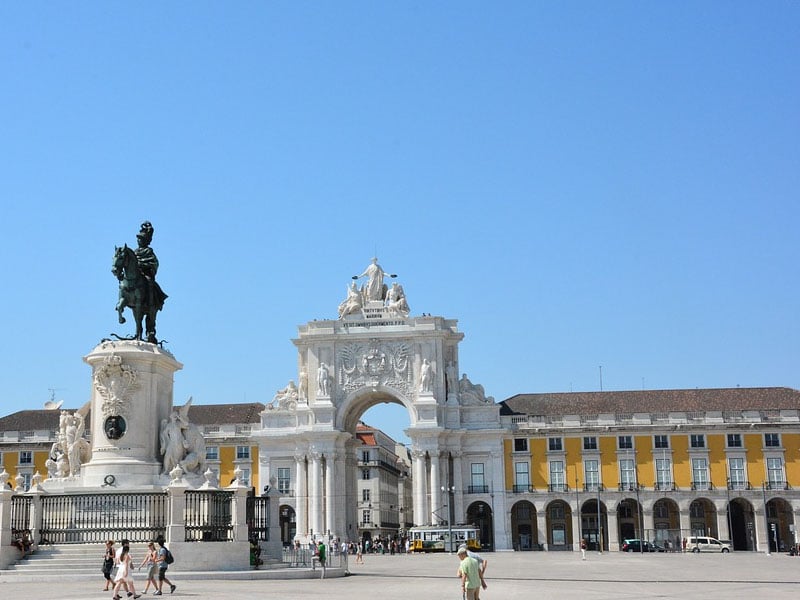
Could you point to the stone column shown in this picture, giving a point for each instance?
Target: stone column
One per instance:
(315, 509)
(648, 524)
(541, 528)
(418, 468)
(458, 483)
(436, 493)
(576, 529)
(274, 546)
(330, 480)
(8, 553)
(613, 530)
(301, 495)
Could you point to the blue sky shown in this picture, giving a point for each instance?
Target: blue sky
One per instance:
(579, 184)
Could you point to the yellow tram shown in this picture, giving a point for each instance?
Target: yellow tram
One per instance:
(435, 538)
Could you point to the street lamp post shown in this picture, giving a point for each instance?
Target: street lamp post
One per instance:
(450, 490)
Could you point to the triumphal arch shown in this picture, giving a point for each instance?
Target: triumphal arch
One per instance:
(375, 351)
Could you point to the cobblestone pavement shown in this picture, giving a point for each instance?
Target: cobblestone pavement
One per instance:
(530, 575)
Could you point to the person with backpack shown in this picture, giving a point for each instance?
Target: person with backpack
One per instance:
(164, 558)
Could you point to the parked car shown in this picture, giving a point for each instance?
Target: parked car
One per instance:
(697, 543)
(640, 546)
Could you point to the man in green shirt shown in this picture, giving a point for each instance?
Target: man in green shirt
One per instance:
(469, 572)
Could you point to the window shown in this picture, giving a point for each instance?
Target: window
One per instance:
(591, 474)
(664, 473)
(365, 495)
(365, 515)
(242, 452)
(697, 441)
(557, 476)
(365, 456)
(590, 443)
(775, 473)
(26, 481)
(25, 457)
(625, 442)
(661, 510)
(554, 444)
(699, 474)
(734, 440)
(364, 473)
(660, 441)
(627, 474)
(520, 444)
(521, 477)
(477, 482)
(736, 475)
(557, 511)
(212, 452)
(284, 479)
(772, 440)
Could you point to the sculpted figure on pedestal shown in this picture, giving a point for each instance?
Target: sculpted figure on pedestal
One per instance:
(182, 443)
(373, 289)
(470, 393)
(302, 390)
(451, 375)
(353, 304)
(396, 300)
(286, 397)
(138, 290)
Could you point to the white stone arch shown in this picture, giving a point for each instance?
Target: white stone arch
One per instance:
(361, 400)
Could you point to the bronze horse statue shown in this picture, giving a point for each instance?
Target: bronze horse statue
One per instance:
(138, 292)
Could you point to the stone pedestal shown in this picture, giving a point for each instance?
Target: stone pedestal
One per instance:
(132, 383)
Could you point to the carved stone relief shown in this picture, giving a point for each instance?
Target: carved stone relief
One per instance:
(373, 363)
(115, 382)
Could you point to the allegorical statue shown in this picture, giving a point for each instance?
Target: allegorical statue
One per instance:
(373, 289)
(138, 290)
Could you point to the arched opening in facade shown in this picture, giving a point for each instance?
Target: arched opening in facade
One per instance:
(629, 520)
(377, 481)
(288, 524)
(667, 525)
(703, 518)
(742, 524)
(480, 514)
(780, 521)
(594, 525)
(523, 526)
(559, 526)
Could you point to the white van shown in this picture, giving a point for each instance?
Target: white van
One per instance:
(697, 543)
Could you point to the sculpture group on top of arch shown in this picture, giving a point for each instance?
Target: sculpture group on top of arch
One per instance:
(374, 293)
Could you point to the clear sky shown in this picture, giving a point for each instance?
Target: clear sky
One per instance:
(579, 184)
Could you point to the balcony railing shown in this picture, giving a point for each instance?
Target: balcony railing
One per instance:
(665, 486)
(630, 487)
(739, 485)
(558, 487)
(593, 487)
(777, 485)
(702, 486)
(477, 489)
(523, 488)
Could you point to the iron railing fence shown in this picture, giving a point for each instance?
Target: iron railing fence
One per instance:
(208, 516)
(94, 518)
(20, 515)
(258, 518)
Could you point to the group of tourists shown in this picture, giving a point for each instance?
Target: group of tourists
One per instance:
(118, 567)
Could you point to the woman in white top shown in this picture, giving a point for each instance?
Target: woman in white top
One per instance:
(124, 574)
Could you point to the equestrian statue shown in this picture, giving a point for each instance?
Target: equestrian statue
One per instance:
(138, 290)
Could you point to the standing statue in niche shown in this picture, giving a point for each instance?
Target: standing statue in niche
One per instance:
(323, 380)
(302, 388)
(451, 377)
(426, 376)
(138, 289)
